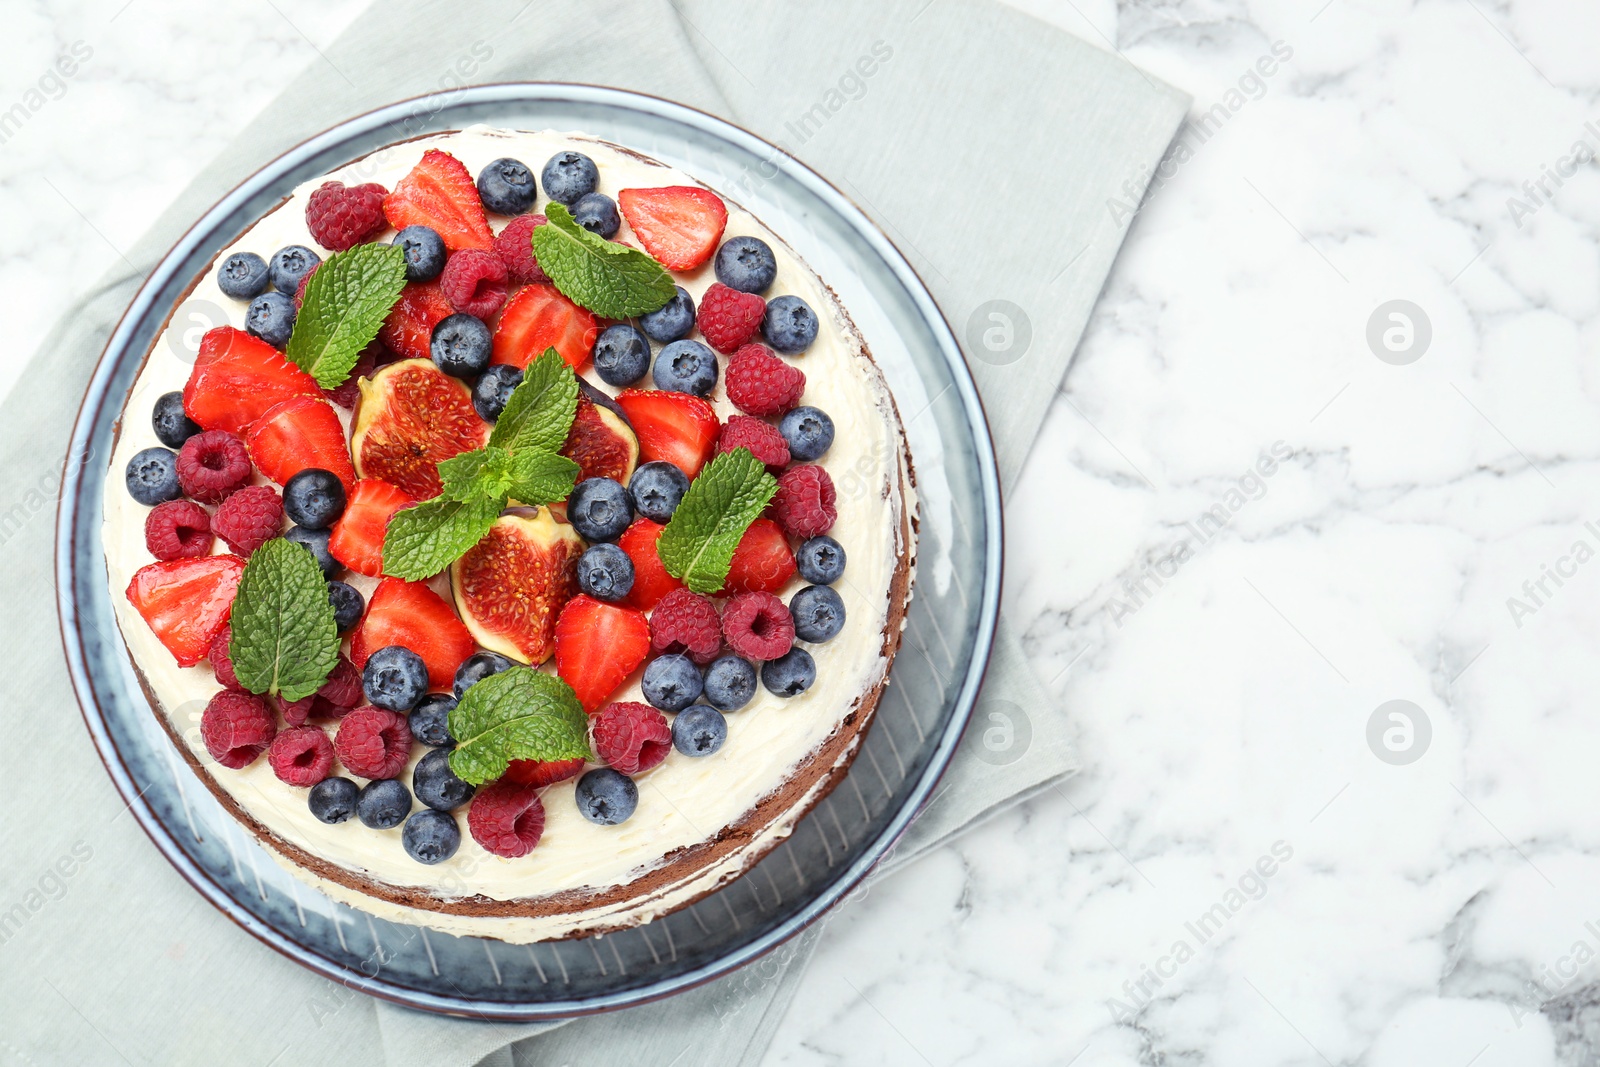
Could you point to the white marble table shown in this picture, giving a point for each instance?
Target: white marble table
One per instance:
(1244, 529)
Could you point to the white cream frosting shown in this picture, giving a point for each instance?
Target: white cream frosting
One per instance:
(684, 801)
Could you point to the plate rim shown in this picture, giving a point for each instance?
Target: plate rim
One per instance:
(97, 394)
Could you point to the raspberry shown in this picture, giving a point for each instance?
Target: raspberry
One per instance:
(249, 518)
(474, 281)
(348, 392)
(374, 742)
(341, 216)
(514, 246)
(236, 728)
(343, 687)
(177, 529)
(542, 772)
(296, 712)
(301, 756)
(758, 626)
(761, 438)
(631, 737)
(300, 290)
(729, 318)
(803, 504)
(759, 383)
(506, 818)
(686, 622)
(221, 661)
(211, 465)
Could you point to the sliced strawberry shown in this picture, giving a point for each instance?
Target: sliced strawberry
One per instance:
(186, 601)
(236, 378)
(357, 538)
(408, 331)
(597, 646)
(538, 317)
(297, 434)
(762, 563)
(651, 581)
(675, 427)
(680, 225)
(439, 192)
(538, 773)
(414, 616)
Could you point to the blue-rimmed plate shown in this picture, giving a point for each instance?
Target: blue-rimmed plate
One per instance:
(919, 721)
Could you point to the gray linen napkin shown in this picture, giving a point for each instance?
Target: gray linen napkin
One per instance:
(986, 144)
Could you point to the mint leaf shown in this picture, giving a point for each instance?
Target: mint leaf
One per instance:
(608, 278)
(520, 713)
(424, 539)
(697, 545)
(539, 412)
(541, 477)
(346, 302)
(284, 639)
(530, 476)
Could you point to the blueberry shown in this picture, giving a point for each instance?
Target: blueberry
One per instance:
(493, 388)
(424, 251)
(686, 367)
(153, 476)
(436, 785)
(606, 796)
(820, 560)
(599, 509)
(348, 606)
(242, 276)
(621, 354)
(789, 324)
(605, 572)
(671, 683)
(395, 678)
(314, 498)
(808, 432)
(289, 265)
(333, 800)
(657, 488)
(699, 730)
(671, 320)
(476, 667)
(430, 720)
(316, 543)
(270, 317)
(730, 683)
(569, 176)
(461, 345)
(597, 213)
(818, 613)
(383, 804)
(172, 426)
(746, 264)
(431, 836)
(506, 186)
(790, 674)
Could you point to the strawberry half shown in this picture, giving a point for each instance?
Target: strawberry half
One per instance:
(408, 331)
(539, 773)
(539, 317)
(675, 427)
(439, 192)
(357, 538)
(236, 378)
(680, 225)
(186, 602)
(413, 615)
(762, 563)
(297, 434)
(651, 581)
(597, 646)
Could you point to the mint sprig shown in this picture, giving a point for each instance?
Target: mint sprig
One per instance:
(608, 278)
(284, 640)
(424, 539)
(346, 301)
(698, 543)
(517, 714)
(539, 411)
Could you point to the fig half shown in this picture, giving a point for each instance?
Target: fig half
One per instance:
(410, 416)
(511, 585)
(601, 442)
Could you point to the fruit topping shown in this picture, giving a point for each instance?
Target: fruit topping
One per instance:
(152, 476)
(809, 432)
(818, 613)
(631, 737)
(699, 731)
(598, 646)
(178, 529)
(601, 443)
(461, 346)
(347, 392)
(211, 465)
(236, 728)
(186, 601)
(761, 438)
(236, 378)
(762, 562)
(605, 572)
(538, 317)
(476, 667)
(730, 683)
(249, 518)
(514, 246)
(439, 193)
(679, 225)
(342, 216)
(348, 605)
(746, 264)
(671, 683)
(656, 490)
(493, 389)
(221, 661)
(729, 318)
(436, 785)
(289, 266)
(431, 836)
(651, 581)
(673, 427)
(507, 819)
(408, 331)
(424, 251)
(621, 355)
(171, 425)
(430, 720)
(804, 503)
(313, 498)
(512, 584)
(670, 321)
(569, 175)
(414, 616)
(395, 678)
(411, 416)
(333, 800)
(373, 742)
(270, 317)
(789, 325)
(301, 755)
(759, 383)
(540, 773)
(599, 509)
(506, 186)
(758, 626)
(685, 367)
(606, 796)
(300, 434)
(597, 213)
(686, 622)
(790, 675)
(383, 804)
(474, 281)
(243, 275)
(316, 543)
(357, 537)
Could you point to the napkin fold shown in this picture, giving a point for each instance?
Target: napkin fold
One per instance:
(988, 147)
